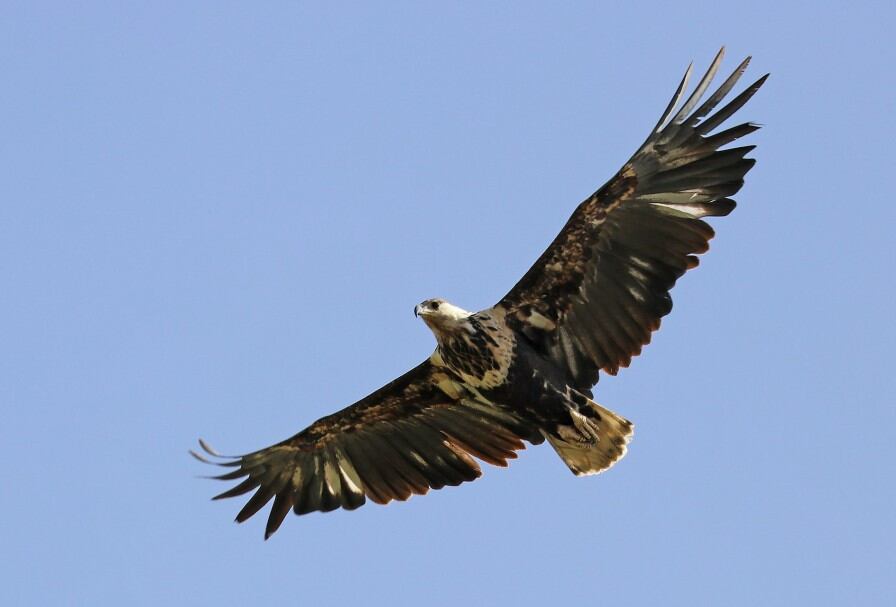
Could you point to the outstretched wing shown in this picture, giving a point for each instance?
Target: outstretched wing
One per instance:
(595, 295)
(416, 433)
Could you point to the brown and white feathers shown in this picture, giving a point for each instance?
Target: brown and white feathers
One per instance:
(523, 370)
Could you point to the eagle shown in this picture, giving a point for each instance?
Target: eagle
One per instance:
(523, 370)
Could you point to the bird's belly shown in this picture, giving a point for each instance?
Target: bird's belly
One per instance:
(532, 384)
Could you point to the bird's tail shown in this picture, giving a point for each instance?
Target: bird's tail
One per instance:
(595, 441)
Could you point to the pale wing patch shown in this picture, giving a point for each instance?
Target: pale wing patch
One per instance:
(539, 321)
(692, 210)
(350, 475)
(436, 358)
(451, 388)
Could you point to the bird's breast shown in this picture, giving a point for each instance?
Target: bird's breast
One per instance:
(482, 357)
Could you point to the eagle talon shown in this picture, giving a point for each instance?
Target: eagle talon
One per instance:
(581, 432)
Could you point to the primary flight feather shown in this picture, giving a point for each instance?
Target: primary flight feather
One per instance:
(523, 370)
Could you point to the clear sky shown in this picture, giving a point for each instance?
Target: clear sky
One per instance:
(216, 218)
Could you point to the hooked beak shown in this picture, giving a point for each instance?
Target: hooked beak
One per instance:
(416, 310)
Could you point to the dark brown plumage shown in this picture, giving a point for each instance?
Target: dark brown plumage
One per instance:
(523, 370)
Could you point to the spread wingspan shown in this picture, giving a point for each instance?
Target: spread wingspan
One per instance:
(588, 304)
(595, 295)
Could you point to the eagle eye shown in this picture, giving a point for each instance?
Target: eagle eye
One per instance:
(433, 305)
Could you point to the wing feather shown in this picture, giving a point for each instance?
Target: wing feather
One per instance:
(402, 440)
(604, 282)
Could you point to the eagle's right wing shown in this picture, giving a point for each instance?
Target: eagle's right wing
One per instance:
(416, 433)
(593, 298)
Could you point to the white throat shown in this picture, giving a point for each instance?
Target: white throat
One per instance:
(451, 312)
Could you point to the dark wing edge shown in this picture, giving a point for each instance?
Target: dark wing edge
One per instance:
(594, 297)
(402, 440)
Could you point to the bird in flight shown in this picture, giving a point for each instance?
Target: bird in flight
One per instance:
(523, 370)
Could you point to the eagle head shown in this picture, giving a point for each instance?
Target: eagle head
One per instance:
(440, 315)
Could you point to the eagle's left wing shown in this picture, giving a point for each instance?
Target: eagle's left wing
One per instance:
(414, 434)
(593, 298)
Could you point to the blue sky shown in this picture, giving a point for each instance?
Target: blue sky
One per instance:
(216, 219)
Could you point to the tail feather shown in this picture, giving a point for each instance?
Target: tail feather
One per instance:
(595, 442)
